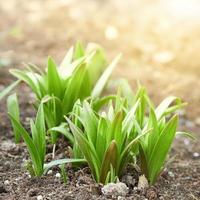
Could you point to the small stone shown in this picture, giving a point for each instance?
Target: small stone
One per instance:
(121, 198)
(143, 182)
(115, 189)
(171, 174)
(196, 155)
(49, 172)
(58, 175)
(135, 188)
(39, 197)
(6, 182)
(151, 193)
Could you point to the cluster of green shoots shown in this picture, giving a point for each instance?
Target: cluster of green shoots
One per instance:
(106, 132)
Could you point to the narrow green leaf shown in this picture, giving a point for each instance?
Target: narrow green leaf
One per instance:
(34, 154)
(54, 81)
(110, 159)
(63, 128)
(161, 149)
(8, 89)
(104, 78)
(67, 59)
(53, 163)
(13, 109)
(87, 150)
(186, 134)
(79, 51)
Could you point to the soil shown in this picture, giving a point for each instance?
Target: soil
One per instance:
(161, 52)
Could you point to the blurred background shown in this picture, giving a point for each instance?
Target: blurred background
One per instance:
(159, 39)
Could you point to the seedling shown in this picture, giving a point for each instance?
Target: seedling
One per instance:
(63, 173)
(36, 144)
(162, 123)
(13, 109)
(104, 140)
(74, 79)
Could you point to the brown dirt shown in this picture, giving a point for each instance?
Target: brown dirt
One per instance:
(32, 30)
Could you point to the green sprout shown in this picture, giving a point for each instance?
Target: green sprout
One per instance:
(104, 140)
(162, 123)
(155, 146)
(36, 144)
(81, 75)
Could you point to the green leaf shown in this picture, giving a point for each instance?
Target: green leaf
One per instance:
(63, 128)
(8, 89)
(79, 51)
(40, 127)
(13, 109)
(54, 81)
(110, 159)
(189, 135)
(161, 109)
(74, 89)
(126, 152)
(89, 121)
(97, 90)
(33, 151)
(87, 149)
(53, 163)
(161, 149)
(29, 78)
(67, 59)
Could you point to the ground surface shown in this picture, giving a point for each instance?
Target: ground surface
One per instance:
(160, 41)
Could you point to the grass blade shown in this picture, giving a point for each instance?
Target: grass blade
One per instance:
(104, 78)
(8, 89)
(13, 109)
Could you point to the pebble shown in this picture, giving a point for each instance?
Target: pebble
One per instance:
(39, 197)
(49, 172)
(58, 175)
(196, 155)
(143, 182)
(171, 174)
(151, 193)
(115, 189)
(6, 182)
(121, 198)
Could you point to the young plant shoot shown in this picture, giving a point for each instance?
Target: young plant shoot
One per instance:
(104, 140)
(162, 125)
(62, 86)
(36, 142)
